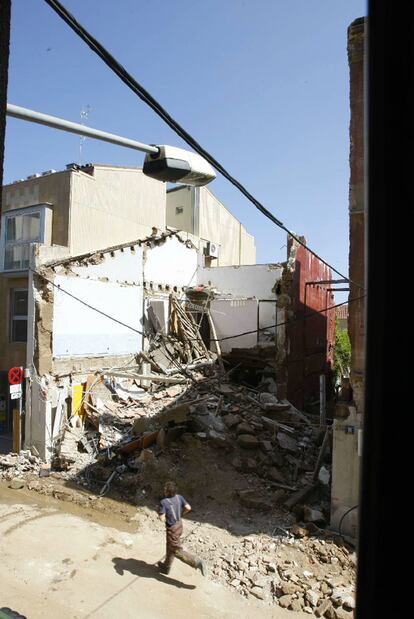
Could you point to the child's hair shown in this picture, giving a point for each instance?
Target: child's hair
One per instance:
(170, 488)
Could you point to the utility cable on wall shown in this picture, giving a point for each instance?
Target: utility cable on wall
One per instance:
(145, 96)
(230, 337)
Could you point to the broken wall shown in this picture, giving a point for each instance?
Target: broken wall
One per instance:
(308, 347)
(111, 282)
(170, 264)
(238, 284)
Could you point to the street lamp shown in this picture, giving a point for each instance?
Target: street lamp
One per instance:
(163, 163)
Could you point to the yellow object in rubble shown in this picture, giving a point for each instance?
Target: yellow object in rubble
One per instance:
(77, 398)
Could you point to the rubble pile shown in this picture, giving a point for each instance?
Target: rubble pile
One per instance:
(302, 574)
(178, 413)
(283, 455)
(19, 465)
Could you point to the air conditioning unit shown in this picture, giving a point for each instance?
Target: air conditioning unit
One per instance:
(212, 250)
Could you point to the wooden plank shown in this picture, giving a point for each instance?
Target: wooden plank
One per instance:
(321, 454)
(16, 430)
(300, 495)
(59, 413)
(153, 377)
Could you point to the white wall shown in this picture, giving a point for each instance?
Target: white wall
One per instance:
(113, 286)
(250, 281)
(171, 263)
(234, 316)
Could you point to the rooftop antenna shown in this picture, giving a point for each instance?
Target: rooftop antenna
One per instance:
(84, 114)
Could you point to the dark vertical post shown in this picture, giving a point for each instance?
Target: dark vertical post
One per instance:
(387, 416)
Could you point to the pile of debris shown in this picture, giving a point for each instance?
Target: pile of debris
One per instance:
(19, 465)
(313, 575)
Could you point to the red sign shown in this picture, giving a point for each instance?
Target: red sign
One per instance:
(15, 376)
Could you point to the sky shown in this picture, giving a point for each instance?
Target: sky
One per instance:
(263, 85)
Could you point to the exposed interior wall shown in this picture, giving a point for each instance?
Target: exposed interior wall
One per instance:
(257, 282)
(112, 283)
(118, 204)
(234, 316)
(172, 263)
(254, 281)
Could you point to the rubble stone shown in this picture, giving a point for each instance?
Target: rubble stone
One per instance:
(312, 597)
(258, 592)
(17, 484)
(276, 475)
(285, 601)
(248, 498)
(287, 442)
(323, 607)
(313, 515)
(232, 420)
(244, 428)
(296, 605)
(247, 441)
(340, 613)
(266, 446)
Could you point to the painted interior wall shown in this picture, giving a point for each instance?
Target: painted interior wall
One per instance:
(113, 286)
(234, 316)
(173, 263)
(257, 282)
(251, 281)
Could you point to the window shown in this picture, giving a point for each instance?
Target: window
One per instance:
(18, 315)
(21, 230)
(20, 227)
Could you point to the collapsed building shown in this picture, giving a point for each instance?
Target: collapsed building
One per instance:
(151, 307)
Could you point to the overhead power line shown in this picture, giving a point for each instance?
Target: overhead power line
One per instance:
(145, 96)
(222, 339)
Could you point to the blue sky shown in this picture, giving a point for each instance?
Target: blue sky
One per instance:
(262, 84)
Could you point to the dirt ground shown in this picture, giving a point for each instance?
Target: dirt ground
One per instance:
(61, 559)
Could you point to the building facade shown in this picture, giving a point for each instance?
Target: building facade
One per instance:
(221, 237)
(76, 211)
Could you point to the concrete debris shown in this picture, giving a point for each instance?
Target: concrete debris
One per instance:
(15, 465)
(130, 425)
(17, 484)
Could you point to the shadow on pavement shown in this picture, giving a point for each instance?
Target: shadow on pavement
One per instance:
(146, 570)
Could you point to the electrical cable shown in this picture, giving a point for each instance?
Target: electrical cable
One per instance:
(343, 516)
(288, 322)
(230, 337)
(95, 309)
(145, 96)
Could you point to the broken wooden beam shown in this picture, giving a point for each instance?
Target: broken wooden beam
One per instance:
(321, 454)
(156, 378)
(300, 495)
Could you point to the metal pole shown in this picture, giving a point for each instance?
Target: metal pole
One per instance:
(15, 111)
(322, 400)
